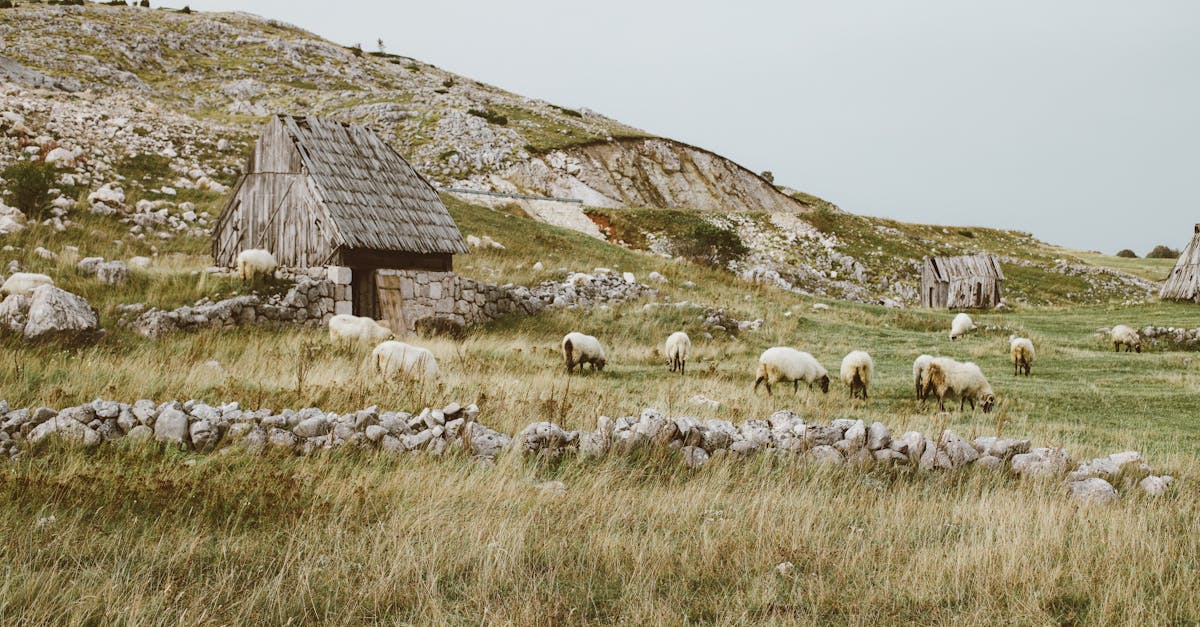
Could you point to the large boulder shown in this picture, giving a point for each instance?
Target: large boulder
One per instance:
(1094, 491)
(55, 313)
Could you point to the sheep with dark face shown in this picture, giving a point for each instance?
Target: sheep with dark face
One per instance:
(947, 377)
(579, 349)
(1127, 337)
(783, 363)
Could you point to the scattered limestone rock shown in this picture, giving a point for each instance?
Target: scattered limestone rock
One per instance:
(1094, 491)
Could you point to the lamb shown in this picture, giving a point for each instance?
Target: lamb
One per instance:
(857, 368)
(677, 348)
(1021, 349)
(946, 377)
(357, 329)
(783, 363)
(579, 349)
(391, 358)
(254, 262)
(920, 365)
(1122, 335)
(961, 326)
(24, 283)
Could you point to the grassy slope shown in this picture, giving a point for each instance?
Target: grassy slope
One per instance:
(139, 534)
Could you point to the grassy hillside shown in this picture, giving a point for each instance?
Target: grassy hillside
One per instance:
(143, 534)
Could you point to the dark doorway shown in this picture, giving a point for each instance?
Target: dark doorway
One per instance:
(362, 285)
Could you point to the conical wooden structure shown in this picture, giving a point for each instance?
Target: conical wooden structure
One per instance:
(1184, 281)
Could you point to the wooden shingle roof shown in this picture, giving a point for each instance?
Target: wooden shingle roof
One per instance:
(966, 266)
(375, 199)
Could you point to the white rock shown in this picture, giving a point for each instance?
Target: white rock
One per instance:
(67, 429)
(694, 456)
(171, 426)
(1093, 491)
(54, 312)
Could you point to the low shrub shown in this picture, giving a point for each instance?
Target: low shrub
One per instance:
(490, 116)
(1163, 252)
(1127, 254)
(28, 185)
(710, 244)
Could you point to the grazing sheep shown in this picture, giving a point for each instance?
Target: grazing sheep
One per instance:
(356, 329)
(391, 358)
(254, 262)
(1021, 349)
(24, 283)
(1121, 336)
(946, 377)
(678, 347)
(579, 349)
(857, 368)
(920, 365)
(783, 363)
(961, 326)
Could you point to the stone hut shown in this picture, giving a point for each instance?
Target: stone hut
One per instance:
(966, 282)
(1184, 281)
(319, 193)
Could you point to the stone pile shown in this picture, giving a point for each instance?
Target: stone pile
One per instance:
(309, 301)
(50, 313)
(840, 442)
(108, 272)
(1172, 335)
(196, 426)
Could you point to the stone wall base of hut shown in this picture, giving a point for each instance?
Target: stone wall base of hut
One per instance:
(408, 296)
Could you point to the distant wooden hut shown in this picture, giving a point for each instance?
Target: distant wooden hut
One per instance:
(1184, 281)
(318, 192)
(967, 282)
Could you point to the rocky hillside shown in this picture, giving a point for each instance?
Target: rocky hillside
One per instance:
(148, 113)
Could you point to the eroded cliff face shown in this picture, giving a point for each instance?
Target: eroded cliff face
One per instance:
(649, 172)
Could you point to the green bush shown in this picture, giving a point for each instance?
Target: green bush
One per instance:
(1126, 253)
(6, 4)
(768, 176)
(1163, 252)
(186, 9)
(145, 167)
(144, 3)
(709, 244)
(28, 185)
(489, 115)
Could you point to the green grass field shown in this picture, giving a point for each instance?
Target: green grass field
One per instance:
(144, 535)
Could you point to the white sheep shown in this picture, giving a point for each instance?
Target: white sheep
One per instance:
(961, 326)
(579, 349)
(254, 262)
(783, 363)
(391, 358)
(1122, 335)
(920, 365)
(1021, 349)
(357, 329)
(857, 368)
(946, 377)
(677, 348)
(24, 283)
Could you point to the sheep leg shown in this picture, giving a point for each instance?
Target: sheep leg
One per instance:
(796, 387)
(682, 366)
(941, 404)
(762, 380)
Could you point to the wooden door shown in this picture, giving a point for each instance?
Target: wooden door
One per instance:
(391, 302)
(362, 289)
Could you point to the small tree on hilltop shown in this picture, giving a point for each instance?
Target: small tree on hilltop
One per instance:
(769, 176)
(28, 185)
(1126, 253)
(1163, 252)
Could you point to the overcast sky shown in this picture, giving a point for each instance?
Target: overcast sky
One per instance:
(1077, 120)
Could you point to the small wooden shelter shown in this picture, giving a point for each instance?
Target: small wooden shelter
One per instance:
(966, 282)
(1184, 281)
(317, 192)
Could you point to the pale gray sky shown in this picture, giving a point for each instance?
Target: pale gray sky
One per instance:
(1077, 120)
